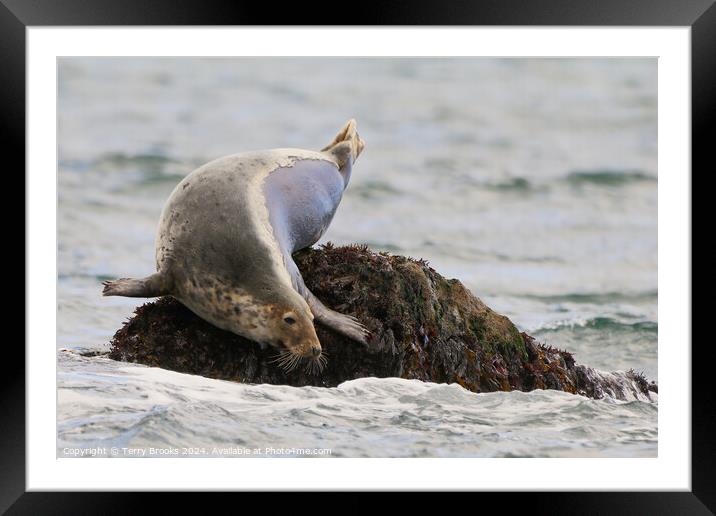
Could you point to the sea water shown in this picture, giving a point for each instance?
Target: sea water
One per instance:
(533, 181)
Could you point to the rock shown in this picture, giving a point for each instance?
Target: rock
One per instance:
(424, 327)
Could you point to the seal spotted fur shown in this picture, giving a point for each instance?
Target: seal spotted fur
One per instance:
(226, 236)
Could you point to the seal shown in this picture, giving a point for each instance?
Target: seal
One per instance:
(225, 239)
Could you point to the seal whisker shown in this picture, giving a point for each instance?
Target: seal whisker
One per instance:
(286, 364)
(287, 361)
(295, 362)
(281, 357)
(313, 367)
(316, 365)
(278, 357)
(291, 361)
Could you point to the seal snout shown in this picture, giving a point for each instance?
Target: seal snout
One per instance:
(309, 349)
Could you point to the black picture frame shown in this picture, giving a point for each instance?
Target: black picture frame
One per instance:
(700, 15)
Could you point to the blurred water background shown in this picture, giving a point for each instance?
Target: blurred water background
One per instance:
(533, 181)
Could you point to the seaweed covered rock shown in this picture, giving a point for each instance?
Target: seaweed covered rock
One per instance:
(424, 327)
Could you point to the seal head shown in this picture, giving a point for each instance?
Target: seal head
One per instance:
(280, 318)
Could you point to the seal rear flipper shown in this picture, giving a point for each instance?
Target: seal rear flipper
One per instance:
(151, 286)
(346, 146)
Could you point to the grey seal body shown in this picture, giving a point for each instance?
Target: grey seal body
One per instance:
(227, 233)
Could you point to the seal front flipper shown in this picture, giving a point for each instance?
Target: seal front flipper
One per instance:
(344, 324)
(151, 286)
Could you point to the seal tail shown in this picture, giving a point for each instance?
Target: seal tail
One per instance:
(151, 286)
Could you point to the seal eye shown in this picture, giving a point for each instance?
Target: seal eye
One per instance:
(289, 320)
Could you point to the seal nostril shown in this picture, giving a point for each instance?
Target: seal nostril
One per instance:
(279, 342)
(316, 351)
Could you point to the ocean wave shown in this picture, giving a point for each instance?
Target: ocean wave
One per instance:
(141, 169)
(106, 403)
(609, 177)
(516, 185)
(374, 190)
(595, 297)
(149, 160)
(607, 324)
